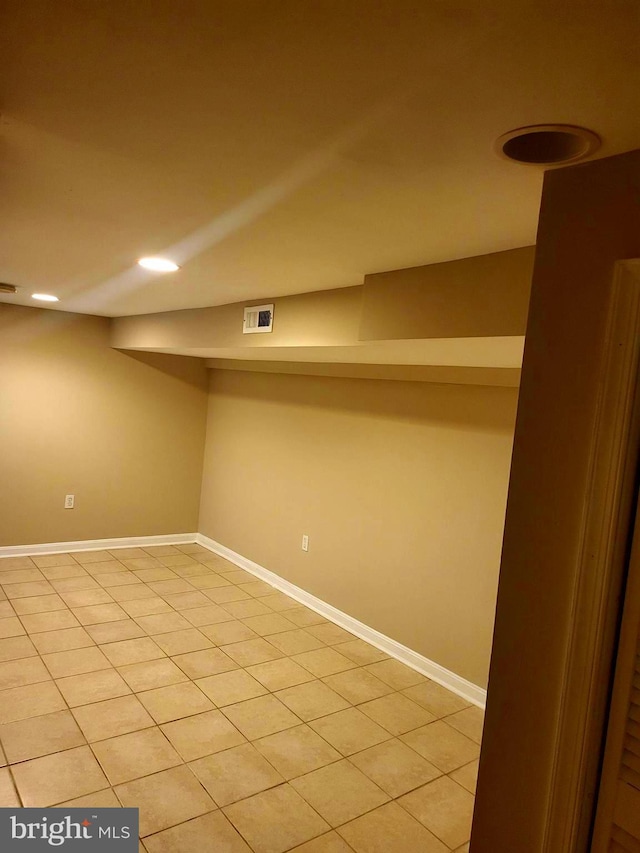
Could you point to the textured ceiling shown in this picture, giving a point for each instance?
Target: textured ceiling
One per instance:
(281, 146)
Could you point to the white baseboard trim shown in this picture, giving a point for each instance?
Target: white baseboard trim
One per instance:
(96, 544)
(466, 689)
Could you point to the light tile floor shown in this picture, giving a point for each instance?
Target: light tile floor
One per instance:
(233, 718)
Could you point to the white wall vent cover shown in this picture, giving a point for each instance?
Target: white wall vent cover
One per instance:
(257, 318)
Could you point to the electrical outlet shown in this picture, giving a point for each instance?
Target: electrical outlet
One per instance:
(305, 542)
(69, 501)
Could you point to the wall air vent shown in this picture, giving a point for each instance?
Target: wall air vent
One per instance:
(257, 318)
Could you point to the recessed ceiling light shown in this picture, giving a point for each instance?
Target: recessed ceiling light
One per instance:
(547, 144)
(45, 297)
(158, 264)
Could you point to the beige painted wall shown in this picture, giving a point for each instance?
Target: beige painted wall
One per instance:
(401, 487)
(123, 432)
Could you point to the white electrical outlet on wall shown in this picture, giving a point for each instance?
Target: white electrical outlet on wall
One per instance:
(305, 542)
(69, 501)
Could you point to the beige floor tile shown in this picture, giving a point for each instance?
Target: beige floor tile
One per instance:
(111, 579)
(202, 734)
(58, 572)
(396, 674)
(148, 675)
(271, 623)
(467, 776)
(165, 799)
(38, 736)
(17, 673)
(97, 613)
(127, 553)
(181, 642)
(161, 550)
(394, 767)
(132, 592)
(358, 685)
(74, 584)
(396, 713)
(112, 717)
(187, 600)
(175, 701)
(330, 634)
(56, 778)
(313, 700)
(323, 662)
(75, 661)
(22, 576)
(138, 563)
(225, 633)
(13, 648)
(11, 626)
(99, 800)
(52, 621)
(191, 570)
(93, 687)
(389, 829)
(8, 794)
(279, 674)
(3, 757)
(328, 843)
(245, 609)
(349, 731)
(38, 604)
(161, 573)
(170, 587)
(8, 563)
(85, 557)
(205, 662)
(231, 573)
(296, 751)
(211, 833)
(436, 699)
(276, 820)
(228, 688)
(236, 773)
(295, 642)
(278, 601)
(444, 807)
(86, 597)
(250, 652)
(19, 703)
(146, 606)
(104, 567)
(113, 632)
(6, 609)
(470, 722)
(212, 614)
(63, 640)
(442, 745)
(339, 792)
(226, 593)
(46, 561)
(463, 849)
(257, 589)
(209, 580)
(260, 717)
(135, 754)
(176, 560)
(193, 548)
(303, 617)
(124, 652)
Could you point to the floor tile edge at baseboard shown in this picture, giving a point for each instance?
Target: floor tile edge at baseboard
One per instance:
(451, 680)
(96, 544)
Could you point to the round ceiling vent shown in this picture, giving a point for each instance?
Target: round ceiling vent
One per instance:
(547, 144)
